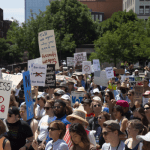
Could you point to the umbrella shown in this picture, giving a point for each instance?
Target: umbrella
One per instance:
(61, 78)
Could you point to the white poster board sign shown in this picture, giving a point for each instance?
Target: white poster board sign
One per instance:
(38, 75)
(96, 65)
(76, 97)
(79, 58)
(86, 67)
(70, 61)
(47, 47)
(5, 90)
(102, 80)
(109, 72)
(14, 78)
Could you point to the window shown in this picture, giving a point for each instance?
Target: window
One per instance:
(96, 17)
(100, 17)
(141, 11)
(93, 17)
(147, 9)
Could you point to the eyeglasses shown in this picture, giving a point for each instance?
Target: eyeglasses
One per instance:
(52, 129)
(97, 105)
(128, 94)
(106, 133)
(56, 94)
(47, 108)
(21, 111)
(107, 95)
(147, 108)
(58, 107)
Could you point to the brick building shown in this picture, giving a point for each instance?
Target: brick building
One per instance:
(108, 7)
(4, 25)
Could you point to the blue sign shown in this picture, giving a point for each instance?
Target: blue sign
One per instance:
(28, 95)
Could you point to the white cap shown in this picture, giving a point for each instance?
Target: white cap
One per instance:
(96, 90)
(66, 97)
(97, 98)
(144, 137)
(39, 96)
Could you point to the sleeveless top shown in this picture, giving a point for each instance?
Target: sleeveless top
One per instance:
(135, 148)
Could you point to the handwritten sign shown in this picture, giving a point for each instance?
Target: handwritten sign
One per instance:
(47, 47)
(86, 67)
(5, 90)
(96, 65)
(14, 78)
(138, 93)
(109, 72)
(79, 58)
(76, 97)
(38, 75)
(70, 61)
(119, 71)
(50, 76)
(28, 94)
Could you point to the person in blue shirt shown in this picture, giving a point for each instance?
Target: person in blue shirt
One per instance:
(81, 78)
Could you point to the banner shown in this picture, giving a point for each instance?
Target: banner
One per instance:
(14, 78)
(86, 67)
(5, 90)
(70, 61)
(38, 75)
(109, 72)
(96, 65)
(76, 97)
(78, 59)
(28, 95)
(50, 76)
(47, 47)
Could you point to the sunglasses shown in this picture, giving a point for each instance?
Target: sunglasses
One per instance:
(107, 95)
(21, 111)
(58, 107)
(47, 108)
(147, 108)
(56, 94)
(97, 105)
(52, 129)
(106, 133)
(128, 94)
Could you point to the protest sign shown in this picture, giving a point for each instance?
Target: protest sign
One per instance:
(28, 94)
(76, 97)
(70, 61)
(5, 90)
(119, 71)
(47, 47)
(133, 83)
(102, 79)
(50, 76)
(38, 75)
(14, 78)
(138, 94)
(78, 59)
(96, 65)
(86, 67)
(109, 72)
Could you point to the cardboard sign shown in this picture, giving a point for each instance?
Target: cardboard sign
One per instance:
(96, 65)
(5, 90)
(119, 71)
(38, 75)
(79, 58)
(138, 93)
(76, 97)
(50, 76)
(102, 79)
(109, 72)
(86, 67)
(70, 61)
(28, 94)
(14, 78)
(47, 47)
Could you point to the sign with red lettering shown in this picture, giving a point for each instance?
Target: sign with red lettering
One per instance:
(47, 47)
(5, 90)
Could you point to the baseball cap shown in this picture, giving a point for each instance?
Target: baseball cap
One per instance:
(97, 98)
(63, 84)
(13, 110)
(113, 125)
(122, 103)
(146, 93)
(39, 96)
(66, 97)
(60, 92)
(96, 90)
(145, 137)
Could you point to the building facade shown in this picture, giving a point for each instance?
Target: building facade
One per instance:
(107, 7)
(140, 7)
(34, 6)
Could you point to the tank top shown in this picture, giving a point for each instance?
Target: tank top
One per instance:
(1, 142)
(135, 148)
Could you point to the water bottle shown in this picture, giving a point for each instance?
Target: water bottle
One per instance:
(97, 139)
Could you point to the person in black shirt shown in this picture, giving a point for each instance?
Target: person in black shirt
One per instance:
(18, 130)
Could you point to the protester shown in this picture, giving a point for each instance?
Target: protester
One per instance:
(81, 78)
(4, 142)
(12, 101)
(63, 86)
(57, 131)
(19, 132)
(66, 98)
(70, 87)
(79, 138)
(146, 82)
(58, 94)
(146, 97)
(147, 111)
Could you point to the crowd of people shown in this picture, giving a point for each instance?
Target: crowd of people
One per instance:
(106, 119)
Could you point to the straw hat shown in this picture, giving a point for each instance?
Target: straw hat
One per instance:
(78, 114)
(123, 85)
(81, 89)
